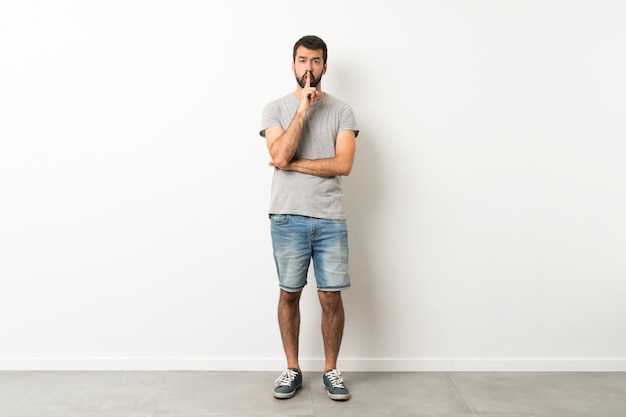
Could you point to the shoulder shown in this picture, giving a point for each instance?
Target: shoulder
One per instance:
(336, 102)
(285, 100)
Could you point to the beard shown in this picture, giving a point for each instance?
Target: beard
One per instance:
(314, 81)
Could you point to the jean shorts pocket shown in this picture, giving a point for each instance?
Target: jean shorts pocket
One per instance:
(279, 218)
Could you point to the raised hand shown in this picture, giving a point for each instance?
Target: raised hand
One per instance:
(310, 95)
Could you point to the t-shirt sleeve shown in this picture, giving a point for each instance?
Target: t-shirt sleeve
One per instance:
(269, 119)
(348, 120)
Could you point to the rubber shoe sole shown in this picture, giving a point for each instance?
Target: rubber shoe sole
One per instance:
(336, 397)
(287, 395)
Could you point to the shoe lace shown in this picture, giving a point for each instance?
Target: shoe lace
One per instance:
(335, 378)
(286, 378)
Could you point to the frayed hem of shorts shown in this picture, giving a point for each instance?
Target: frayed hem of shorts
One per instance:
(334, 289)
(289, 289)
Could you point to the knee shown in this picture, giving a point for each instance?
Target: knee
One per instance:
(330, 300)
(291, 298)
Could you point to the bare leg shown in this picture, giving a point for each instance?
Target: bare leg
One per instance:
(289, 323)
(332, 325)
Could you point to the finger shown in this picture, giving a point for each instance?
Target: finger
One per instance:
(308, 80)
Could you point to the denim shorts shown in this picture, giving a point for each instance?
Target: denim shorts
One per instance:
(298, 239)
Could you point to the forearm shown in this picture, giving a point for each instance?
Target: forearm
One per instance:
(340, 164)
(283, 149)
(329, 167)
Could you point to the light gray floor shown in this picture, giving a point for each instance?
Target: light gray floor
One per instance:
(414, 394)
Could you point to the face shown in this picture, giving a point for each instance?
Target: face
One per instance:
(308, 63)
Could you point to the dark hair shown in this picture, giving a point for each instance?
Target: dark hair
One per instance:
(312, 43)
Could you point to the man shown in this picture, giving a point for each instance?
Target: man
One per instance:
(311, 140)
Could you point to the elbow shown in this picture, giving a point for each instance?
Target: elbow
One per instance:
(280, 163)
(345, 170)
(343, 165)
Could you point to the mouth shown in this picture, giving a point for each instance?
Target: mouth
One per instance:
(306, 76)
(311, 78)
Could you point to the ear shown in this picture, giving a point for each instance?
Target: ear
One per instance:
(324, 69)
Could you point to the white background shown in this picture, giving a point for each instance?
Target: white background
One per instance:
(486, 205)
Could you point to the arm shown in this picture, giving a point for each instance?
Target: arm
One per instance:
(282, 144)
(340, 164)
